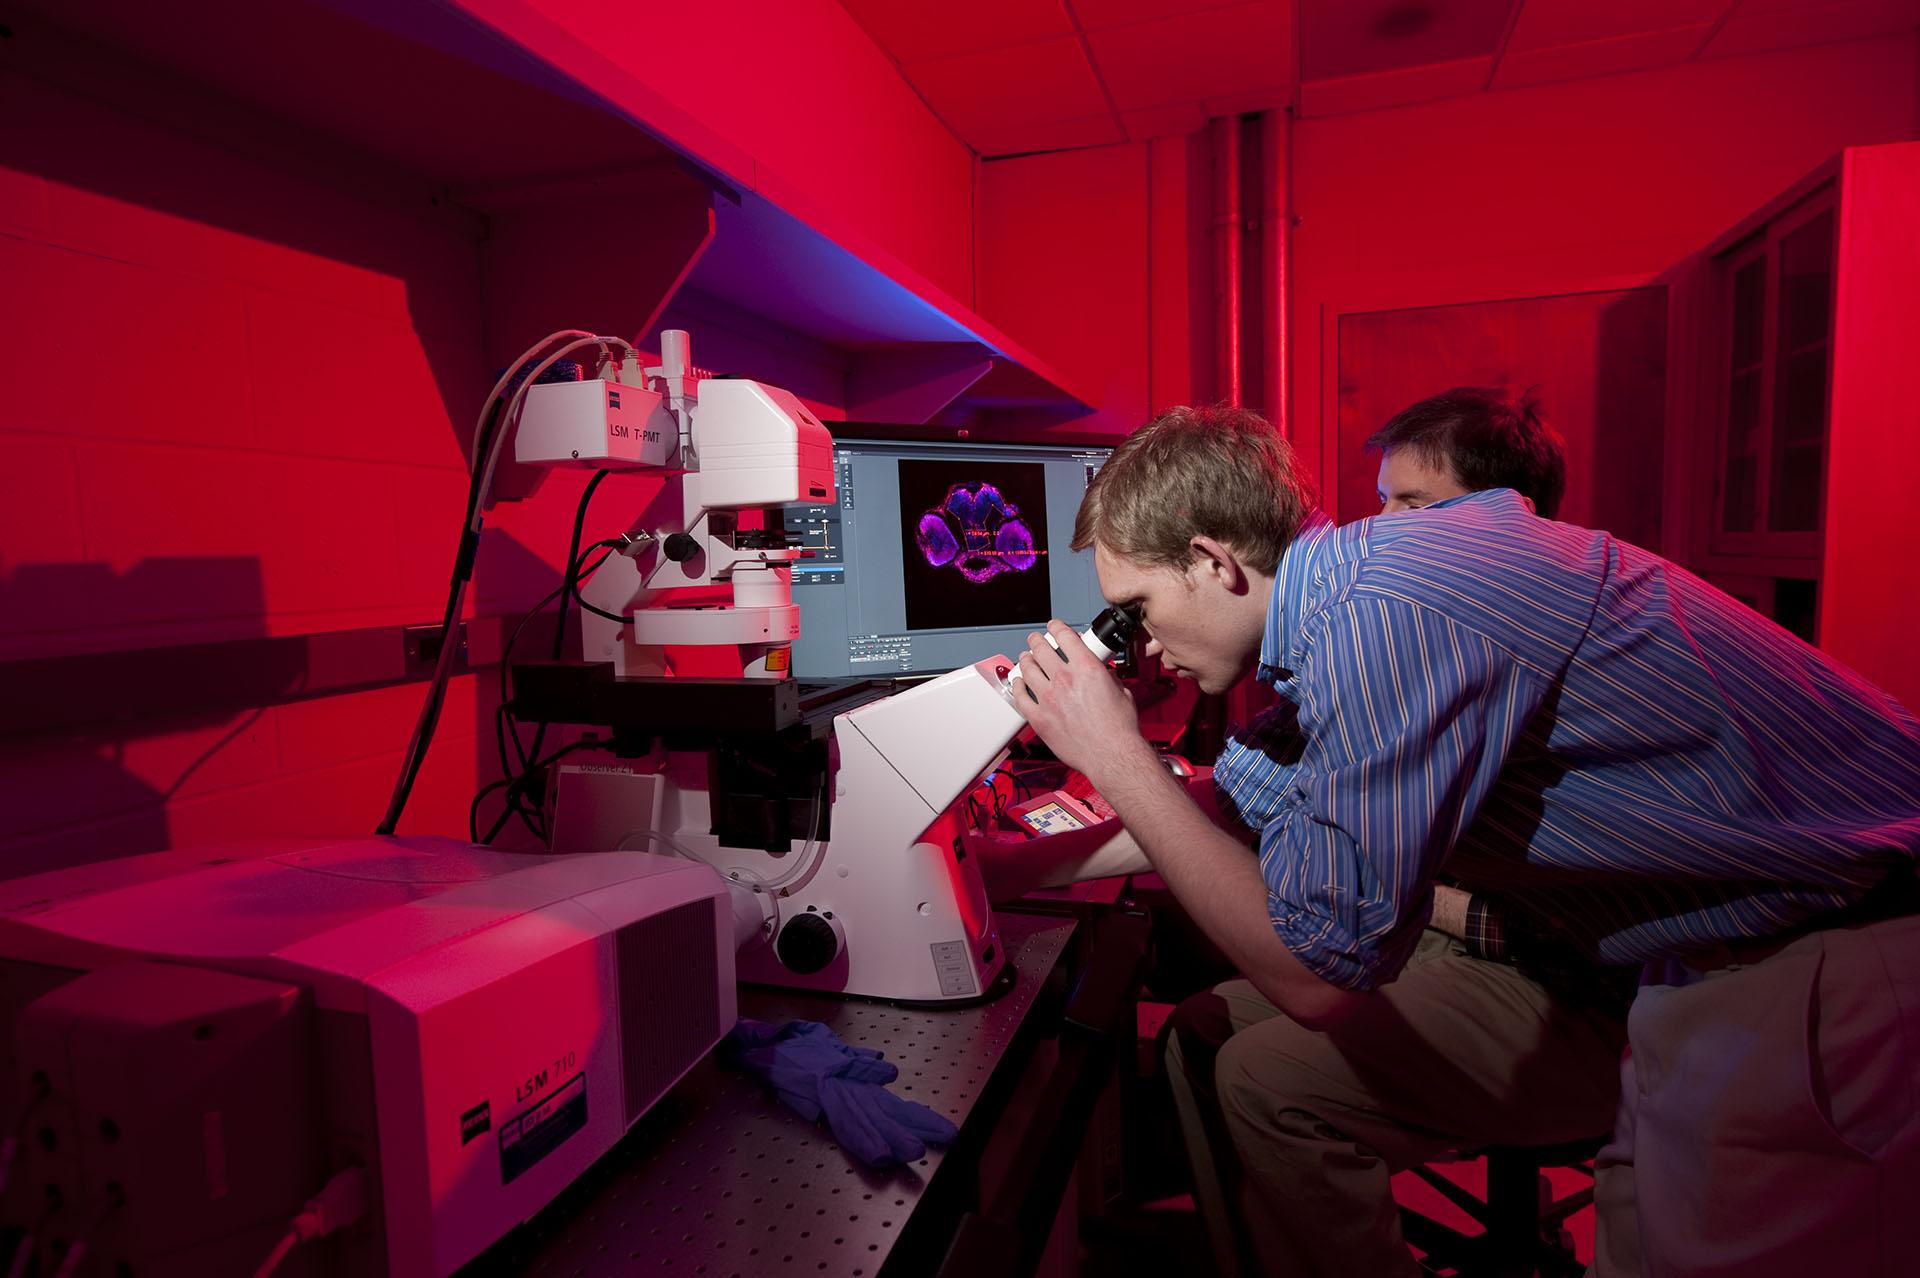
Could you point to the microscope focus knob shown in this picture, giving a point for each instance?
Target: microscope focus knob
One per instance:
(806, 944)
(680, 547)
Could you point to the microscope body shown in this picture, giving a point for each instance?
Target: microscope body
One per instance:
(724, 446)
(835, 825)
(840, 840)
(862, 885)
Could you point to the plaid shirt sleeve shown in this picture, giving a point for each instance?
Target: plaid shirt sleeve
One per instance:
(1487, 930)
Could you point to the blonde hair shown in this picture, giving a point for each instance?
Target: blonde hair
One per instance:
(1221, 472)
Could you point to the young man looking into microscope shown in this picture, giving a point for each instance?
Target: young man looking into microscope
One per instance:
(1639, 766)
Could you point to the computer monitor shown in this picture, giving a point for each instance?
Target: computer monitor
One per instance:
(938, 554)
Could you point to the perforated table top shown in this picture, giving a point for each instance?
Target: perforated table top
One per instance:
(721, 1180)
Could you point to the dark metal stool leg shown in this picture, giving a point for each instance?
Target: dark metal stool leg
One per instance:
(1513, 1211)
(1521, 1220)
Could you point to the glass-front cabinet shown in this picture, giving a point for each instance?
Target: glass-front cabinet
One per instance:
(1803, 346)
(1775, 310)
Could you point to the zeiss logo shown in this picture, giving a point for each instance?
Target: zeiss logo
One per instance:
(476, 1122)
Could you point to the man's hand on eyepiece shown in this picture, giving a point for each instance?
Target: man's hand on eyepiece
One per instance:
(1073, 701)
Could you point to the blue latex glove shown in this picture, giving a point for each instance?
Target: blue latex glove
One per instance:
(816, 1075)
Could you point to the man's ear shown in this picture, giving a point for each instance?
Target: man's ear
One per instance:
(1217, 559)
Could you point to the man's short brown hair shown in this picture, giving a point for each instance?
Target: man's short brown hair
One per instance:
(1488, 439)
(1222, 472)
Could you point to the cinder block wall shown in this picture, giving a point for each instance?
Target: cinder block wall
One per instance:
(241, 377)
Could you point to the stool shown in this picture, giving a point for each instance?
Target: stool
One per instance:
(1521, 1221)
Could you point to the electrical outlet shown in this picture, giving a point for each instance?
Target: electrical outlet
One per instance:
(422, 647)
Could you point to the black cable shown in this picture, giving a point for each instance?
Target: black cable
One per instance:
(506, 724)
(469, 536)
(506, 655)
(570, 582)
(505, 704)
(513, 784)
(463, 559)
(502, 731)
(1020, 786)
(996, 806)
(473, 808)
(598, 612)
(569, 585)
(493, 831)
(487, 441)
(617, 543)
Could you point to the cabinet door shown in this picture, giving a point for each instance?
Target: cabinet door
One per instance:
(1776, 309)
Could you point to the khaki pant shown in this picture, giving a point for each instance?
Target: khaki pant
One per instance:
(1770, 1116)
(1294, 1134)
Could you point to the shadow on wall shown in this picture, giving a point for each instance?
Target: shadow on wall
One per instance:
(146, 732)
(186, 259)
(298, 323)
(97, 747)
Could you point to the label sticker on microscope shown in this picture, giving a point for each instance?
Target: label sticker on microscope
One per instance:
(477, 1121)
(533, 1135)
(951, 965)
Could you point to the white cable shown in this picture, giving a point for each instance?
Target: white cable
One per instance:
(802, 865)
(659, 836)
(481, 423)
(286, 1244)
(340, 1202)
(808, 860)
(509, 416)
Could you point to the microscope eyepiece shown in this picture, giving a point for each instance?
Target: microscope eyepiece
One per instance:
(1116, 627)
(1106, 638)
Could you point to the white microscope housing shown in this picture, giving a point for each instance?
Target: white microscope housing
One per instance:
(725, 446)
(844, 853)
(890, 905)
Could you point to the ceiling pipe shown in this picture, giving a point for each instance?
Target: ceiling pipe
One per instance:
(1227, 223)
(1207, 720)
(1276, 234)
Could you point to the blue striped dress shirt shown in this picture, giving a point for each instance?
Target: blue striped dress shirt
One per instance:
(1628, 758)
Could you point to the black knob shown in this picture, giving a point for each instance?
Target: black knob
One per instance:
(680, 547)
(806, 943)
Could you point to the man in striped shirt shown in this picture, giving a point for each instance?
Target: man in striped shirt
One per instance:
(1496, 1002)
(1466, 440)
(1637, 765)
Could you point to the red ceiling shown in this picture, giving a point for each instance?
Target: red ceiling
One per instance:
(1012, 76)
(1339, 40)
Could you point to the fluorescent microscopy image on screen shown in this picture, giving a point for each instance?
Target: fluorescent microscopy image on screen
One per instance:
(974, 539)
(979, 532)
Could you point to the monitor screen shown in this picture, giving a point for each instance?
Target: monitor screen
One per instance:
(939, 554)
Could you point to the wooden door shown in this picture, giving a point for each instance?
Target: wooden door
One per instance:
(1599, 361)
